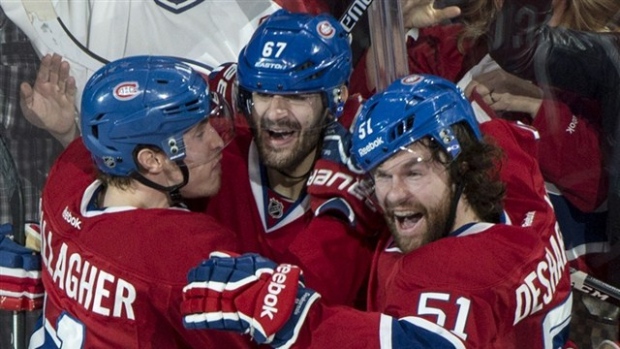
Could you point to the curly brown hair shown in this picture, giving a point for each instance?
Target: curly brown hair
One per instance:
(477, 169)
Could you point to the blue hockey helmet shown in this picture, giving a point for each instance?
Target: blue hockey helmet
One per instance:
(293, 53)
(141, 100)
(408, 110)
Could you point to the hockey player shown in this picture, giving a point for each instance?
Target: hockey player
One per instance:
(292, 80)
(116, 243)
(570, 153)
(450, 274)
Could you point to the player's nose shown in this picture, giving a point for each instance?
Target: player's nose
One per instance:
(278, 107)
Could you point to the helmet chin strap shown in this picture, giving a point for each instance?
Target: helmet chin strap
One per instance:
(172, 191)
(453, 205)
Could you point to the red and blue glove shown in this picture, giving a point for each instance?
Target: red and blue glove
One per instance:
(21, 287)
(248, 294)
(339, 188)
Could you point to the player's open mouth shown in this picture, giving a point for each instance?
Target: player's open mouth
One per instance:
(407, 220)
(281, 137)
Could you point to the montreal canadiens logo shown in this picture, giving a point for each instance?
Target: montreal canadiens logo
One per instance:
(411, 79)
(126, 91)
(325, 29)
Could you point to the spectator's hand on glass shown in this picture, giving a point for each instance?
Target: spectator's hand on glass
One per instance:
(501, 81)
(422, 13)
(50, 103)
(504, 102)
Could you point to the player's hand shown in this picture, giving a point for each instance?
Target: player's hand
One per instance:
(247, 294)
(339, 188)
(50, 103)
(21, 287)
(426, 13)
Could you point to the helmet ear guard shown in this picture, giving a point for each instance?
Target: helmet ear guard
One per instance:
(410, 109)
(338, 101)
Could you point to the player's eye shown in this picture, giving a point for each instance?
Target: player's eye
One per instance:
(381, 176)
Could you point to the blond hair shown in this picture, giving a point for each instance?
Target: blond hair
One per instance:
(590, 15)
(476, 16)
(584, 15)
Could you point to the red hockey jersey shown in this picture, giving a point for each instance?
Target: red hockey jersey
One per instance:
(335, 261)
(114, 277)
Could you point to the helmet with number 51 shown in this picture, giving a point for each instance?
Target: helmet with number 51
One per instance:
(432, 171)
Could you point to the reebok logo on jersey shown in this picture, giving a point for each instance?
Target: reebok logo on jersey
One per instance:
(69, 218)
(276, 286)
(573, 125)
(370, 146)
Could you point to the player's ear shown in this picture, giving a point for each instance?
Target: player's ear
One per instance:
(150, 160)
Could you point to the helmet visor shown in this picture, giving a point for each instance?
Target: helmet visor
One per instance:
(221, 118)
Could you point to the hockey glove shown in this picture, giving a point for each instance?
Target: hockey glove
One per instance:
(21, 287)
(247, 294)
(337, 187)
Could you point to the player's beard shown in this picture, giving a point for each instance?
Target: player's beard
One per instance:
(435, 218)
(286, 159)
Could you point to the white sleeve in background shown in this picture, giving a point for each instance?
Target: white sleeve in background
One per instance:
(207, 31)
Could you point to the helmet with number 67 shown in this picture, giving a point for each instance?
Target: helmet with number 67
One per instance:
(296, 53)
(408, 110)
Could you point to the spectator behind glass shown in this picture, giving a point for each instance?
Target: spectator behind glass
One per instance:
(564, 58)
(570, 124)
